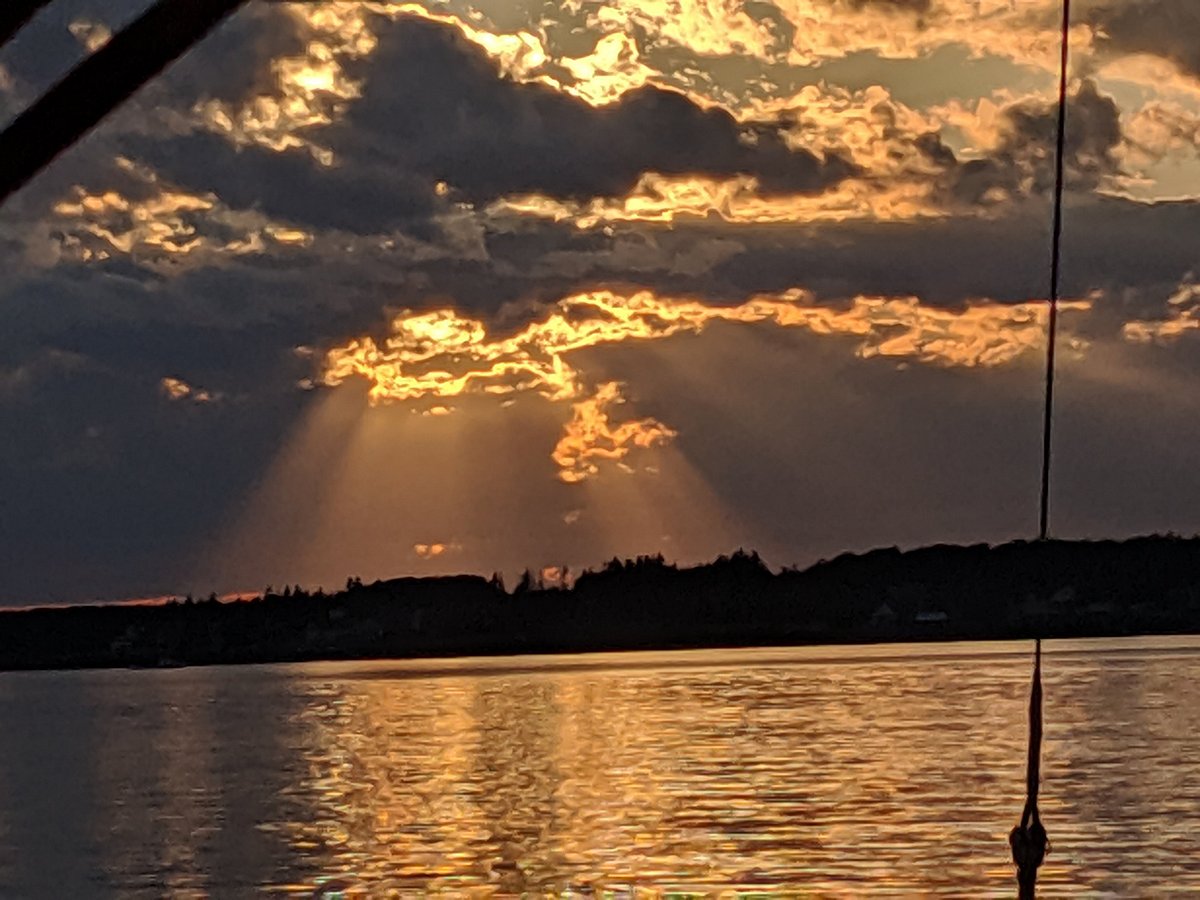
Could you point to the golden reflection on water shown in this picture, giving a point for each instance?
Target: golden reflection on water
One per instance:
(832, 772)
(759, 774)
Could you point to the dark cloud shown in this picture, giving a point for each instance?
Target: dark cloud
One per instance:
(483, 134)
(236, 60)
(1023, 162)
(1166, 28)
(488, 136)
(362, 197)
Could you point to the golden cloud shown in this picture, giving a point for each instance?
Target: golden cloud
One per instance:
(1184, 316)
(665, 199)
(442, 353)
(311, 89)
(92, 35)
(163, 228)
(434, 549)
(589, 436)
(176, 389)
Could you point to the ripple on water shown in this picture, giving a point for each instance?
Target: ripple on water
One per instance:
(893, 771)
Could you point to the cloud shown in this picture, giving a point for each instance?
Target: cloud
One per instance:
(161, 226)
(1018, 158)
(590, 435)
(486, 137)
(442, 353)
(19, 382)
(1165, 28)
(903, 168)
(435, 549)
(176, 390)
(1161, 129)
(361, 152)
(1183, 317)
(93, 35)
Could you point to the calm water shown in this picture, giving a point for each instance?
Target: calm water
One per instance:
(837, 772)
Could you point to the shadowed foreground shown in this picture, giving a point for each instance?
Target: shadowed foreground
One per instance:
(1047, 589)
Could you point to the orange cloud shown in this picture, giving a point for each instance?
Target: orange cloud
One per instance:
(92, 35)
(166, 227)
(176, 389)
(665, 199)
(1184, 316)
(443, 353)
(435, 549)
(310, 89)
(590, 436)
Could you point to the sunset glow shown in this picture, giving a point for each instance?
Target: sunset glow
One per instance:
(382, 288)
(443, 354)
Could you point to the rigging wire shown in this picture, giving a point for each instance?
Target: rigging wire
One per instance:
(1055, 270)
(1028, 839)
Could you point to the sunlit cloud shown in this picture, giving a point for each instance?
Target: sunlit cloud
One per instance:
(314, 88)
(892, 144)
(590, 436)
(1183, 316)
(92, 35)
(667, 199)
(612, 69)
(311, 89)
(176, 390)
(443, 353)
(902, 170)
(1022, 30)
(1162, 129)
(435, 549)
(705, 27)
(798, 33)
(162, 225)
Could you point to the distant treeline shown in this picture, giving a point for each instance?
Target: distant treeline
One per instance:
(1021, 589)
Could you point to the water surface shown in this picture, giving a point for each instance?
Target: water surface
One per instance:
(824, 772)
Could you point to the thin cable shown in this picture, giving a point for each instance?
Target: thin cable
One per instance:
(1028, 840)
(1055, 270)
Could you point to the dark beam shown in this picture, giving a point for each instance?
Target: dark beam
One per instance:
(102, 82)
(15, 13)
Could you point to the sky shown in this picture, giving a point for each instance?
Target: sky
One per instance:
(375, 289)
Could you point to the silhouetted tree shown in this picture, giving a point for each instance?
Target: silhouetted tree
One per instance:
(525, 585)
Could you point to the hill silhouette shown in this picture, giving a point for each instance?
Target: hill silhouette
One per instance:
(1016, 590)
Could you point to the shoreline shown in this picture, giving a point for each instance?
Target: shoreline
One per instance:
(1017, 591)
